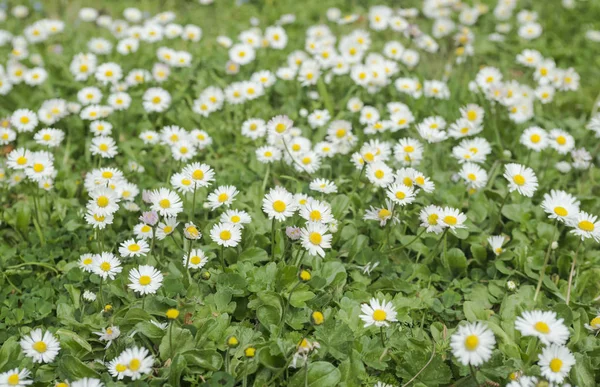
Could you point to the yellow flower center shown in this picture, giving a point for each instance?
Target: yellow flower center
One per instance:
(379, 174)
(40, 346)
(146, 228)
(279, 206)
(542, 327)
(107, 174)
(172, 314)
(471, 342)
(556, 364)
(24, 120)
(135, 364)
(379, 315)
(471, 115)
(225, 235)
(235, 219)
(102, 201)
(586, 225)
(145, 280)
(400, 195)
(471, 176)
(37, 167)
(433, 219)
(409, 149)
(195, 260)
(13, 379)
(134, 247)
(315, 238)
(156, 100)
(315, 215)
(121, 367)
(103, 147)
(561, 140)
(164, 203)
(280, 127)
(383, 213)
(450, 220)
(223, 197)
(47, 137)
(87, 261)
(198, 174)
(519, 179)
(105, 266)
(340, 133)
(535, 138)
(166, 229)
(595, 322)
(561, 211)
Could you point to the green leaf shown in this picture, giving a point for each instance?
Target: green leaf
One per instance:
(78, 345)
(75, 368)
(268, 316)
(320, 374)
(457, 261)
(181, 339)
(208, 359)
(176, 370)
(299, 298)
(10, 351)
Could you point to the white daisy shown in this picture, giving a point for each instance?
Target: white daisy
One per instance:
(279, 204)
(315, 238)
(106, 265)
(133, 248)
(521, 178)
(560, 205)
(15, 378)
(544, 325)
(40, 347)
(555, 362)
(378, 313)
(196, 259)
(472, 344)
(496, 242)
(145, 280)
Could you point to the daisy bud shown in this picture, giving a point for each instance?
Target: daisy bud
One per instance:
(304, 276)
(191, 231)
(507, 154)
(554, 245)
(205, 275)
(250, 352)
(107, 308)
(317, 318)
(232, 342)
(149, 217)
(147, 196)
(511, 286)
(172, 314)
(294, 233)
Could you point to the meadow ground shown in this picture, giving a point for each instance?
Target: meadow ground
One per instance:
(299, 193)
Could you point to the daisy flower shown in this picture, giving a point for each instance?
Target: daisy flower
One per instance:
(316, 211)
(431, 219)
(201, 174)
(133, 248)
(24, 120)
(475, 176)
(108, 334)
(534, 138)
(400, 194)
(555, 362)
(106, 265)
(222, 196)
(49, 137)
(103, 146)
(586, 226)
(452, 218)
(561, 141)
(378, 313)
(594, 325)
(138, 361)
(496, 242)
(323, 185)
(145, 280)
(521, 178)
(380, 214)
(165, 228)
(156, 99)
(279, 125)
(15, 377)
(472, 344)
(379, 174)
(40, 347)
(268, 154)
(103, 201)
(560, 205)
(315, 238)
(190, 231)
(226, 234)
(279, 204)
(196, 260)
(166, 202)
(543, 325)
(86, 262)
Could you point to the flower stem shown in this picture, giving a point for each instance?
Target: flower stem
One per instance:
(223, 258)
(171, 338)
(545, 265)
(473, 373)
(572, 272)
(382, 334)
(273, 229)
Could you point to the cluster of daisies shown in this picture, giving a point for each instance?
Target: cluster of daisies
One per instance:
(43, 347)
